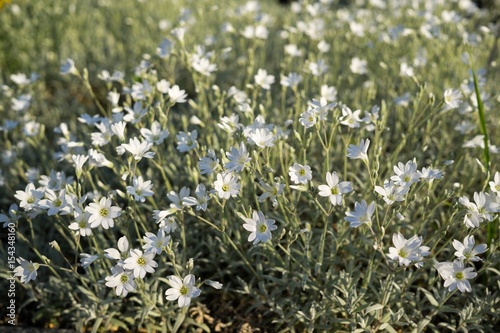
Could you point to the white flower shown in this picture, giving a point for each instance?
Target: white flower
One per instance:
(264, 80)
(168, 224)
(135, 114)
(20, 79)
(179, 33)
(259, 31)
(473, 217)
(87, 259)
(214, 284)
(31, 128)
(262, 137)
(391, 192)
(406, 174)
(292, 80)
(358, 66)
(102, 213)
(321, 107)
(155, 243)
(79, 161)
(179, 200)
(406, 251)
(121, 253)
(29, 197)
(370, 118)
(300, 174)
(259, 226)
(467, 250)
(81, 224)
(318, 68)
(203, 66)
(56, 202)
(177, 95)
(201, 199)
(308, 119)
(272, 192)
(349, 118)
(140, 263)
(12, 218)
(121, 280)
(56, 181)
(227, 185)
(293, 51)
(329, 93)
(360, 151)
(68, 67)
(163, 86)
(27, 270)
(140, 189)
(456, 275)
(156, 134)
(323, 46)
(139, 149)
(239, 96)
(141, 90)
(335, 189)
(230, 124)
(165, 48)
(182, 290)
(98, 159)
(238, 159)
(160, 215)
(430, 174)
(362, 214)
(495, 184)
(208, 163)
(452, 99)
(186, 141)
(21, 103)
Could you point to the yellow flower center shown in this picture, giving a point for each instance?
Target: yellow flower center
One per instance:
(141, 261)
(123, 278)
(103, 212)
(263, 228)
(30, 200)
(225, 188)
(302, 172)
(184, 290)
(459, 276)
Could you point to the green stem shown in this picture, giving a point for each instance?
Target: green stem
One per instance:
(493, 226)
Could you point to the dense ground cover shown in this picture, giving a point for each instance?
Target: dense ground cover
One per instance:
(199, 166)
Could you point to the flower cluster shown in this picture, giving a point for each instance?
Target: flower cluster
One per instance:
(170, 158)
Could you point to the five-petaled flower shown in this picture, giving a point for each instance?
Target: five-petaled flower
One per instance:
(456, 275)
(335, 189)
(140, 263)
(259, 226)
(406, 251)
(182, 290)
(27, 270)
(102, 213)
(300, 174)
(227, 185)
